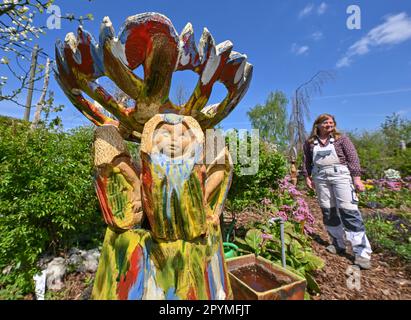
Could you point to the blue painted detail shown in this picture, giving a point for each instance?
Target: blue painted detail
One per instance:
(171, 294)
(77, 57)
(105, 34)
(124, 33)
(175, 171)
(167, 200)
(172, 118)
(236, 58)
(60, 55)
(146, 252)
(98, 62)
(211, 282)
(137, 290)
(220, 264)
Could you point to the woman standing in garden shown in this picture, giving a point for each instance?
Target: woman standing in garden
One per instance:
(331, 167)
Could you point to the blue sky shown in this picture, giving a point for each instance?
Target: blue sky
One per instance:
(287, 42)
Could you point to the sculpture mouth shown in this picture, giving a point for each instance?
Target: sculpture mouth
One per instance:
(150, 40)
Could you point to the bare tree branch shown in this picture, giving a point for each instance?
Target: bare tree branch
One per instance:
(18, 29)
(300, 108)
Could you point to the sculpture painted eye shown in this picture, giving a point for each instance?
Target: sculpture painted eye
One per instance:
(164, 133)
(148, 39)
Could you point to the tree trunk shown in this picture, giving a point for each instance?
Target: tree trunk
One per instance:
(41, 102)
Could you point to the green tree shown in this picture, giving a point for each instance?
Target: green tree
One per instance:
(380, 150)
(271, 119)
(372, 151)
(396, 129)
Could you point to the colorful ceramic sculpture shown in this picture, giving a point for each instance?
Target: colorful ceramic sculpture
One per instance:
(163, 239)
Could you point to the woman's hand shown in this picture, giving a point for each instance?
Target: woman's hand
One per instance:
(310, 183)
(359, 186)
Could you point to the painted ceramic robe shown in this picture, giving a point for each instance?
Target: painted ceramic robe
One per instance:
(176, 251)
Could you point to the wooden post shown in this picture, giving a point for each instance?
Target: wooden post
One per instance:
(41, 102)
(31, 82)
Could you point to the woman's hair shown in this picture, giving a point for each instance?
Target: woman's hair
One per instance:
(320, 119)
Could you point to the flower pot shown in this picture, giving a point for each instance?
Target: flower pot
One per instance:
(256, 278)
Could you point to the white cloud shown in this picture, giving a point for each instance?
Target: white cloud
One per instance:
(318, 35)
(367, 93)
(395, 30)
(322, 8)
(299, 50)
(310, 8)
(306, 11)
(344, 62)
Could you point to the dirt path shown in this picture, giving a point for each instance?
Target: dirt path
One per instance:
(389, 278)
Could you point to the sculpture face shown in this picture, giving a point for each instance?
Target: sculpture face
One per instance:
(174, 141)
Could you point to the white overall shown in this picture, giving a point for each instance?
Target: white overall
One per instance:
(338, 200)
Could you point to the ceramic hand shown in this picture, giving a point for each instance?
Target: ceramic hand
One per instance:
(117, 180)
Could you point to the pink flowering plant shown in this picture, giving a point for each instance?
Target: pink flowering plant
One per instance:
(288, 203)
(264, 236)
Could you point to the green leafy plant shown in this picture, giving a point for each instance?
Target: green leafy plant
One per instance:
(264, 240)
(254, 239)
(390, 232)
(47, 199)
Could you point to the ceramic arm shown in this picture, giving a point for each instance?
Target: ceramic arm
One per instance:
(117, 180)
(219, 176)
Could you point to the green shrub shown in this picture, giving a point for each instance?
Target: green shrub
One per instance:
(47, 198)
(248, 190)
(372, 151)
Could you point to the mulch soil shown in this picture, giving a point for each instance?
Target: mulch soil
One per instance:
(388, 279)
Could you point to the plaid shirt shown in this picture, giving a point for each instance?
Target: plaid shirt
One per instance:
(345, 151)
